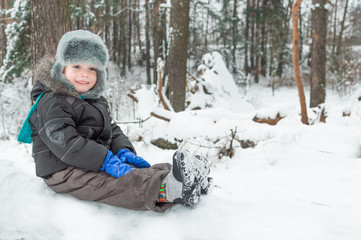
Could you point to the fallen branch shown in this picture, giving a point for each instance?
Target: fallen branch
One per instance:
(162, 114)
(164, 144)
(160, 117)
(270, 121)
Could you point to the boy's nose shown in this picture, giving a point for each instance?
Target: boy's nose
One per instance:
(84, 74)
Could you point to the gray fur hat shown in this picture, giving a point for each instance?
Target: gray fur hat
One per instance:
(81, 47)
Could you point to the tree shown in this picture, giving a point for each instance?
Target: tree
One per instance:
(340, 36)
(124, 36)
(177, 58)
(147, 42)
(264, 39)
(318, 53)
(3, 23)
(296, 62)
(49, 21)
(16, 58)
(157, 36)
(246, 35)
(234, 36)
(284, 38)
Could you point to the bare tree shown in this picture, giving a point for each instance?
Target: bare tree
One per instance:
(147, 42)
(296, 62)
(234, 36)
(124, 36)
(318, 53)
(253, 25)
(157, 35)
(339, 39)
(246, 36)
(334, 26)
(178, 49)
(264, 39)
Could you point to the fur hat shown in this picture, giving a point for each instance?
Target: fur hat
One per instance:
(81, 47)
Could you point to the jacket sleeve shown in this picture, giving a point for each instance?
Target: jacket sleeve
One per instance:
(57, 130)
(119, 140)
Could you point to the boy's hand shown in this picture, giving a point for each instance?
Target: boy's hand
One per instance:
(114, 166)
(127, 156)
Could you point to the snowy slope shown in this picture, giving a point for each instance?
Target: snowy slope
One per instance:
(299, 182)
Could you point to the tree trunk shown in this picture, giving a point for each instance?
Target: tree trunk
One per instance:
(246, 37)
(177, 59)
(296, 63)
(157, 36)
(234, 36)
(90, 23)
(318, 53)
(301, 32)
(124, 37)
(334, 28)
(284, 38)
(3, 23)
(264, 39)
(106, 25)
(253, 19)
(147, 42)
(137, 17)
(256, 41)
(130, 28)
(164, 41)
(224, 14)
(49, 21)
(339, 39)
(206, 31)
(116, 41)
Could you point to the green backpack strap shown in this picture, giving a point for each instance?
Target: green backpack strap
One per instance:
(25, 131)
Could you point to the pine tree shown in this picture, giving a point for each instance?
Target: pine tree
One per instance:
(17, 58)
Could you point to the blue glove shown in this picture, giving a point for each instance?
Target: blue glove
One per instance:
(127, 156)
(114, 166)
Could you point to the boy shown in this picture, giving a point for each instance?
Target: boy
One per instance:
(79, 150)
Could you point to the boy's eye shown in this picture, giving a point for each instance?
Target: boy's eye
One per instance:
(76, 66)
(92, 69)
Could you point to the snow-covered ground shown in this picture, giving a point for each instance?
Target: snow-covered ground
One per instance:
(299, 182)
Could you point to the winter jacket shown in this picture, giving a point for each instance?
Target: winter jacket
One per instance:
(69, 130)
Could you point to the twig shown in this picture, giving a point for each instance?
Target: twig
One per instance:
(132, 97)
(160, 117)
(192, 76)
(134, 122)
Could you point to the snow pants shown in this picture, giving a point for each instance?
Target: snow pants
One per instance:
(136, 190)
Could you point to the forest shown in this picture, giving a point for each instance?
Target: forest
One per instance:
(254, 38)
(267, 90)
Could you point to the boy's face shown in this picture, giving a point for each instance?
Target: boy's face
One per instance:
(83, 76)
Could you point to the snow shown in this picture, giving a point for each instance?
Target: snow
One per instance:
(298, 182)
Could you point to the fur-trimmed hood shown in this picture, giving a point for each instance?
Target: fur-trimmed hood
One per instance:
(45, 83)
(81, 46)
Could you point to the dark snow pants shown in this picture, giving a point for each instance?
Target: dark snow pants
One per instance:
(136, 190)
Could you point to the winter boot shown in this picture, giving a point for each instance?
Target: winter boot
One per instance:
(181, 185)
(202, 170)
(184, 171)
